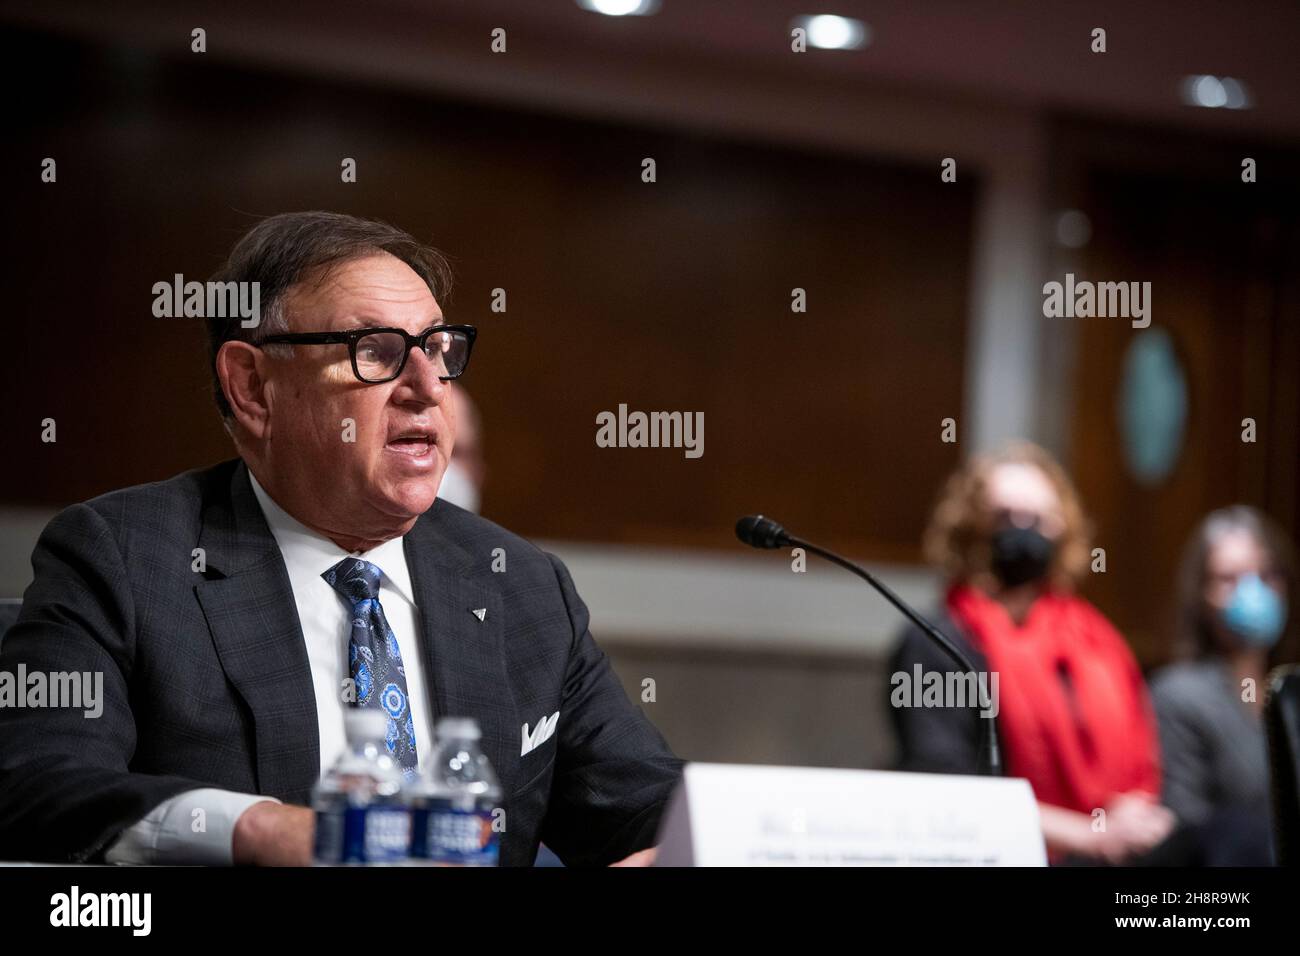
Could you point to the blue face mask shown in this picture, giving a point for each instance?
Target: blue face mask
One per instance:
(1255, 612)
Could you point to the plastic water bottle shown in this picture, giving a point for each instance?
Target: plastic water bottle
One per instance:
(455, 803)
(363, 814)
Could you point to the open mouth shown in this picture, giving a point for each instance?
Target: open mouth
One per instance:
(415, 444)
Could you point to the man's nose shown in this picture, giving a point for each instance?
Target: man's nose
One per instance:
(419, 381)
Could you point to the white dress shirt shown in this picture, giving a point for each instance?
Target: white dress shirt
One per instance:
(167, 834)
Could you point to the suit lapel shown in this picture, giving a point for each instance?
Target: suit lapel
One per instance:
(249, 606)
(464, 657)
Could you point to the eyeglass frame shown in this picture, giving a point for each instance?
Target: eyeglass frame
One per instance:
(350, 338)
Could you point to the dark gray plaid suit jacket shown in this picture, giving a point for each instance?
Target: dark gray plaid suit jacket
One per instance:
(207, 684)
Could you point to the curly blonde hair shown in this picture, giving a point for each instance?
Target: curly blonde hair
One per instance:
(958, 537)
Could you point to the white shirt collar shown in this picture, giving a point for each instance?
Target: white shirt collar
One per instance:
(304, 547)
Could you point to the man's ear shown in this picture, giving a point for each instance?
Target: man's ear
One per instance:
(242, 370)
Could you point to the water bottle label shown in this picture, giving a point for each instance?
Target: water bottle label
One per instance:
(388, 835)
(362, 835)
(329, 836)
(461, 837)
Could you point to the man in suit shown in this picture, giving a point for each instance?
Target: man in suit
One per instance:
(233, 611)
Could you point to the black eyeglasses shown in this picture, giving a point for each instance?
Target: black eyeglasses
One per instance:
(380, 354)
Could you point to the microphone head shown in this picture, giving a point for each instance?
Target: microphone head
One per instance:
(760, 532)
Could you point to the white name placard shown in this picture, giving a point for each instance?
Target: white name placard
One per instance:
(740, 815)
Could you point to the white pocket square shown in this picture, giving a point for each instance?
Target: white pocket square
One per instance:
(541, 733)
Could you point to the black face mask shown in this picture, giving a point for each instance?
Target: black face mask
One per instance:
(1020, 555)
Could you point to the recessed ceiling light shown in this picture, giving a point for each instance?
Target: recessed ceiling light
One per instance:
(1216, 92)
(621, 8)
(828, 32)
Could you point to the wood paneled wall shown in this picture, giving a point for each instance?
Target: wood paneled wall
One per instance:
(666, 296)
(1223, 258)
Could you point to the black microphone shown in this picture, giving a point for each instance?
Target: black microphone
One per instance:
(760, 532)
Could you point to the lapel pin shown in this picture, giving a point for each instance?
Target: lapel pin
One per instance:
(479, 612)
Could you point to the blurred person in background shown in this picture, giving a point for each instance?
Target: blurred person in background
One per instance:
(462, 482)
(1238, 570)
(1073, 713)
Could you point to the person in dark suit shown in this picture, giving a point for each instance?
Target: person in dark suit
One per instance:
(223, 607)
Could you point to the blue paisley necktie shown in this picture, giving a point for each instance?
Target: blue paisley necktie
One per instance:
(374, 658)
